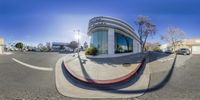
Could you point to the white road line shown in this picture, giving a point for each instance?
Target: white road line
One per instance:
(165, 59)
(32, 66)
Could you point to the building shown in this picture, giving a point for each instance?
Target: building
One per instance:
(192, 44)
(112, 36)
(165, 47)
(60, 46)
(1, 45)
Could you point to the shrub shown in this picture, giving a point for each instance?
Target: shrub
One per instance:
(157, 49)
(91, 51)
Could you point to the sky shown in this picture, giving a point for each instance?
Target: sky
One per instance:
(41, 21)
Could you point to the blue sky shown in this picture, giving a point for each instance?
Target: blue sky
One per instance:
(40, 21)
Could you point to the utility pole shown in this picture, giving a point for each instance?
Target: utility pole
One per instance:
(78, 37)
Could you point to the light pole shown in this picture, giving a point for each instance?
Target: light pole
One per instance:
(78, 40)
(78, 37)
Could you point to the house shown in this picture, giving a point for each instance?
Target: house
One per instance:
(192, 44)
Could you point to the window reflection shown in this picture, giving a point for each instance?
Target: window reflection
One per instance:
(123, 43)
(99, 40)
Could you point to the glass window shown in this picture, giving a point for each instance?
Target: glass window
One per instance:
(123, 43)
(99, 40)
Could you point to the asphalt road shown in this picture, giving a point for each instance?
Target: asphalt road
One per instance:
(18, 82)
(182, 85)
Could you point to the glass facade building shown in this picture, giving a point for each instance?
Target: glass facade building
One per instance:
(99, 40)
(123, 43)
(112, 36)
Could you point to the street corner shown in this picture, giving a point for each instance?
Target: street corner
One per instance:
(7, 53)
(160, 62)
(103, 80)
(182, 60)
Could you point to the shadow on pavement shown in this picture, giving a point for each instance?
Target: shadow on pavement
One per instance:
(115, 88)
(73, 80)
(132, 58)
(86, 75)
(153, 88)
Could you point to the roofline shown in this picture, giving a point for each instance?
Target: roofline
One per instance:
(117, 19)
(104, 27)
(109, 20)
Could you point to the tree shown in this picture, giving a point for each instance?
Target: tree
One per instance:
(73, 45)
(174, 36)
(19, 45)
(145, 29)
(152, 46)
(42, 48)
(147, 46)
(48, 46)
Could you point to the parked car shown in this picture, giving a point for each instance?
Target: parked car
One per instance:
(183, 51)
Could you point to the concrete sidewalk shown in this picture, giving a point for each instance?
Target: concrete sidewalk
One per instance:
(100, 72)
(6, 53)
(71, 87)
(161, 64)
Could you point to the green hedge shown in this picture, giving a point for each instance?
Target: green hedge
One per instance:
(91, 51)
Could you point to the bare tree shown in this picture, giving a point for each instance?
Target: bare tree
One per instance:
(73, 45)
(152, 46)
(145, 29)
(174, 36)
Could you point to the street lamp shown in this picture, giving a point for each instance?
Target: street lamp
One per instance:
(78, 37)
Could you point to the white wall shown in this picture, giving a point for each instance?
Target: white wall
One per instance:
(1, 49)
(111, 41)
(164, 47)
(139, 47)
(136, 46)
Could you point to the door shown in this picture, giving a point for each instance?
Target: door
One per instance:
(195, 49)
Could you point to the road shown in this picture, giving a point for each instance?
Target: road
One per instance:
(19, 82)
(22, 83)
(183, 84)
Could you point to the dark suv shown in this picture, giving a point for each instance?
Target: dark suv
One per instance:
(183, 51)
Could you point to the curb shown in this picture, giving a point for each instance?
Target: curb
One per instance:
(106, 82)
